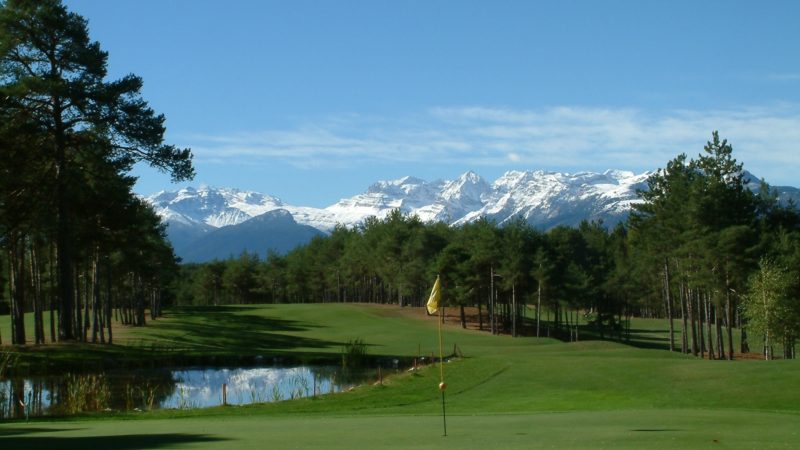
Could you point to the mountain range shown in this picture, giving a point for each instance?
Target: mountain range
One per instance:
(206, 223)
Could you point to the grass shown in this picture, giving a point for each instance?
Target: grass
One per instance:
(629, 429)
(505, 392)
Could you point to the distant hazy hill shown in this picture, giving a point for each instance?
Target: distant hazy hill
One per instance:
(275, 230)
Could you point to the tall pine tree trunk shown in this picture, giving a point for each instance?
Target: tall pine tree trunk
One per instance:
(538, 308)
(38, 302)
(155, 309)
(728, 319)
(77, 308)
(95, 295)
(108, 303)
(101, 313)
(720, 341)
(140, 317)
(668, 298)
(53, 304)
(492, 312)
(744, 347)
(700, 332)
(514, 312)
(64, 251)
(691, 313)
(87, 303)
(480, 314)
(17, 285)
(684, 327)
(709, 334)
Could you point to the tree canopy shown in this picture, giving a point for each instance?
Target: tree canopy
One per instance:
(69, 137)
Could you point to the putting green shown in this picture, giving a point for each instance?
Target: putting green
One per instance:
(636, 429)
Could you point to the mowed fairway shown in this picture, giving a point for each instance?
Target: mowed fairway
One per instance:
(505, 393)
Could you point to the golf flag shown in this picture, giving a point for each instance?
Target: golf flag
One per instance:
(433, 307)
(433, 301)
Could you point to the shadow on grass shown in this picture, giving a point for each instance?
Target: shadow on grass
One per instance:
(192, 310)
(656, 430)
(5, 432)
(643, 339)
(231, 328)
(651, 339)
(644, 330)
(121, 442)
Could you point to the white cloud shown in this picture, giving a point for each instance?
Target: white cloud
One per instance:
(784, 77)
(556, 138)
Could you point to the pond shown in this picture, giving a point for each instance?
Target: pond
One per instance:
(183, 388)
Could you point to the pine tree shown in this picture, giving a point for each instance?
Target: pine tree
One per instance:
(53, 74)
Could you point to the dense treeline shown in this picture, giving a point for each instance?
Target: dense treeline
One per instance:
(692, 251)
(498, 270)
(76, 243)
(706, 231)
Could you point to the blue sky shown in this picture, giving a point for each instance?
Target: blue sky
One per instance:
(312, 101)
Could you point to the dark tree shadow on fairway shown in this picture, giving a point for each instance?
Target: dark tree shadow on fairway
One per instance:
(656, 430)
(228, 328)
(653, 339)
(212, 309)
(5, 432)
(121, 442)
(645, 339)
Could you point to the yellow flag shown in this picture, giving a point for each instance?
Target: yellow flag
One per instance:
(433, 301)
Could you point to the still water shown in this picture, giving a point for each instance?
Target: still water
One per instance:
(177, 389)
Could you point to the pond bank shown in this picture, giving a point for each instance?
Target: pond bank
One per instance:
(181, 389)
(87, 358)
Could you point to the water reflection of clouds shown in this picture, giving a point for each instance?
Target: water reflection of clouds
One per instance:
(203, 387)
(192, 388)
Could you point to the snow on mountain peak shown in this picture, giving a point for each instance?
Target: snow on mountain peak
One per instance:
(216, 207)
(469, 187)
(544, 199)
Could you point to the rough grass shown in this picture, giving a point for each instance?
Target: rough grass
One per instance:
(505, 392)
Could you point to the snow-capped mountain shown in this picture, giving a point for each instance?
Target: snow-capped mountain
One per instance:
(274, 230)
(543, 199)
(445, 201)
(548, 199)
(219, 207)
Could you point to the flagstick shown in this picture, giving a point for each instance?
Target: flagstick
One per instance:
(444, 416)
(442, 386)
(432, 307)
